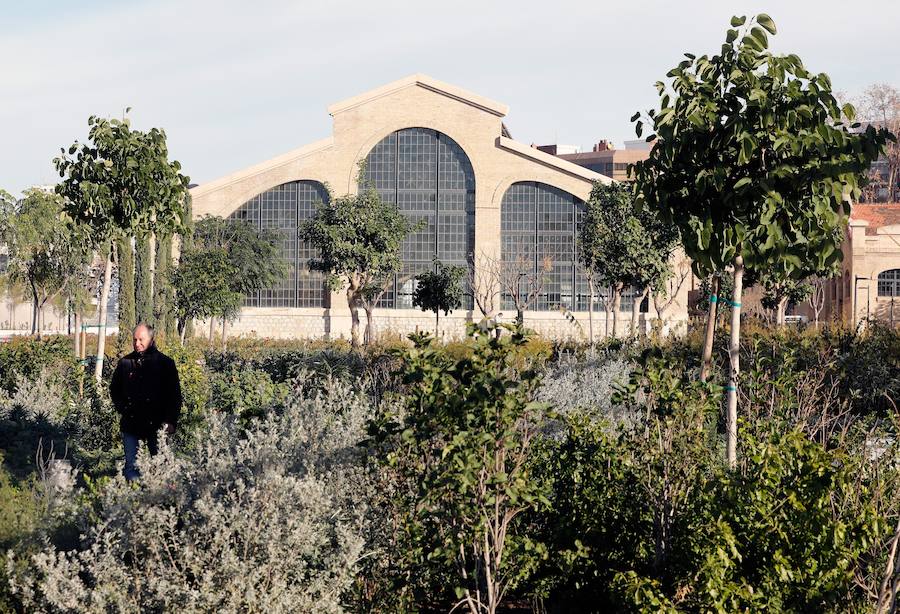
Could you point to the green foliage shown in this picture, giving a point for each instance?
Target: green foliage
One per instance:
(163, 301)
(144, 280)
(44, 246)
(774, 536)
(121, 182)
(439, 290)
(753, 158)
(358, 238)
(26, 357)
(246, 393)
(195, 391)
(463, 443)
(254, 257)
(203, 285)
(620, 245)
(127, 312)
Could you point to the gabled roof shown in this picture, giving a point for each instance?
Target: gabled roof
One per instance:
(550, 160)
(420, 80)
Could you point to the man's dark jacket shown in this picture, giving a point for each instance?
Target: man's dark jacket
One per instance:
(146, 392)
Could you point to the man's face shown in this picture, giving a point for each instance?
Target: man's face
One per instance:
(141, 340)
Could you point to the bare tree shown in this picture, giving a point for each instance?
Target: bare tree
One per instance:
(665, 296)
(880, 105)
(817, 296)
(483, 281)
(520, 282)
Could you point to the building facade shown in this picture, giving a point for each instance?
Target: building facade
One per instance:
(444, 157)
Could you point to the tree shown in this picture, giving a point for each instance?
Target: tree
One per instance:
(119, 184)
(143, 280)
(44, 248)
(619, 245)
(463, 443)
(753, 164)
(520, 283)
(778, 293)
(164, 294)
(203, 283)
(127, 312)
(439, 290)
(667, 291)
(358, 238)
(253, 258)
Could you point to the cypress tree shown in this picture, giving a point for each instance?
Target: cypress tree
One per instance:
(143, 296)
(165, 295)
(127, 316)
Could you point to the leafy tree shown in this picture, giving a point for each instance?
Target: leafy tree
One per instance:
(439, 290)
(253, 258)
(119, 184)
(44, 248)
(620, 246)
(358, 237)
(753, 164)
(779, 293)
(203, 286)
(464, 442)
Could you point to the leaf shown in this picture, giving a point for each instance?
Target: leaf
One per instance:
(737, 22)
(742, 182)
(766, 22)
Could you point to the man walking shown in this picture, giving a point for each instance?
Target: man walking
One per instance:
(147, 394)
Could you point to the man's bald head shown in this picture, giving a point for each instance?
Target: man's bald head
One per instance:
(142, 337)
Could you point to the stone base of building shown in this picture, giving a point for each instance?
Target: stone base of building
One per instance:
(333, 324)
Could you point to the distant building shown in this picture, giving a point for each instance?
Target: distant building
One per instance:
(604, 158)
(444, 156)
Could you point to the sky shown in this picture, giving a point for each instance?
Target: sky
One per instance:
(234, 83)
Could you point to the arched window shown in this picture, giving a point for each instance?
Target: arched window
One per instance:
(539, 224)
(429, 177)
(282, 209)
(889, 283)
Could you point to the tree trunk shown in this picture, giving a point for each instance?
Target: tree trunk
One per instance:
(636, 310)
(354, 317)
(143, 283)
(77, 335)
(616, 302)
(224, 334)
(437, 323)
(182, 333)
(710, 330)
(591, 313)
(606, 313)
(782, 310)
(735, 356)
(212, 330)
(370, 325)
(101, 337)
(35, 323)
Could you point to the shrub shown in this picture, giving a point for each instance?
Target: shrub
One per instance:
(265, 518)
(245, 392)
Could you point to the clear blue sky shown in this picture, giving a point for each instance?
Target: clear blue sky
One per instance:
(234, 82)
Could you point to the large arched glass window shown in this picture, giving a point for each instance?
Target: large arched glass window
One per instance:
(282, 209)
(889, 283)
(539, 224)
(429, 177)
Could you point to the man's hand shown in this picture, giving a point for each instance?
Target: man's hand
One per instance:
(170, 428)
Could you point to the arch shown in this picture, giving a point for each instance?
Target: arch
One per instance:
(539, 226)
(889, 283)
(430, 178)
(281, 209)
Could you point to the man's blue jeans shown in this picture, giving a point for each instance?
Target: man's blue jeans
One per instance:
(130, 443)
